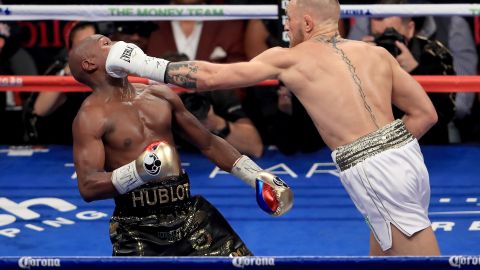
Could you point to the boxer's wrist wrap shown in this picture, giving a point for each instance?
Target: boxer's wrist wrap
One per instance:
(126, 178)
(246, 169)
(159, 160)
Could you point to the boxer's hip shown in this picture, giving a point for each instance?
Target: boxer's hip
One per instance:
(393, 135)
(162, 219)
(169, 195)
(385, 175)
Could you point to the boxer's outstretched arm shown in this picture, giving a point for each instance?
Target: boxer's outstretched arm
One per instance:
(409, 96)
(127, 58)
(89, 157)
(206, 76)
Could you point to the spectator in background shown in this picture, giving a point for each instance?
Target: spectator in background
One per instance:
(13, 61)
(279, 115)
(418, 56)
(53, 112)
(48, 102)
(218, 41)
(133, 32)
(469, 125)
(456, 34)
(222, 114)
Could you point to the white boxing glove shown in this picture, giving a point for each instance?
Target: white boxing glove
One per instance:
(127, 58)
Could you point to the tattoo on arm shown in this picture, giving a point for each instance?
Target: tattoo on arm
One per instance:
(182, 74)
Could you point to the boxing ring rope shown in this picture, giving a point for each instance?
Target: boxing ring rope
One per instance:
(69, 84)
(212, 12)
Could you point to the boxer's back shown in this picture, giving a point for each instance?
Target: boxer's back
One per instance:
(127, 127)
(328, 80)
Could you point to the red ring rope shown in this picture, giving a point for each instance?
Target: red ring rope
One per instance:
(68, 84)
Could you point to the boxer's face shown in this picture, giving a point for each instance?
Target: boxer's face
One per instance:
(293, 25)
(92, 52)
(105, 44)
(99, 48)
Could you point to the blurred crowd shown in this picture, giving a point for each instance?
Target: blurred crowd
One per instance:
(252, 118)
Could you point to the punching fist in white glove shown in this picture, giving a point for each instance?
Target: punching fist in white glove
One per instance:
(273, 195)
(127, 58)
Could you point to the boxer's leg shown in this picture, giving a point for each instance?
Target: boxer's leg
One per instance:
(422, 243)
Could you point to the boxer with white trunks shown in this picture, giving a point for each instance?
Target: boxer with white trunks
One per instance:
(385, 175)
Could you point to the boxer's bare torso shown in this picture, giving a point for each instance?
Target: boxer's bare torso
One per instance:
(126, 122)
(330, 87)
(115, 125)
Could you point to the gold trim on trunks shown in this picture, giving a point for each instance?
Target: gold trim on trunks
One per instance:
(393, 135)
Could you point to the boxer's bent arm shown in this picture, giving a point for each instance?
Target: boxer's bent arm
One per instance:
(273, 195)
(89, 157)
(206, 76)
(213, 147)
(409, 96)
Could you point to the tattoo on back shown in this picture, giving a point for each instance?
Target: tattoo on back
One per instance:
(334, 41)
(182, 74)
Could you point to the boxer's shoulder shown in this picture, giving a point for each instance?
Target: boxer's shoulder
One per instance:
(139, 87)
(159, 90)
(163, 92)
(89, 114)
(275, 53)
(92, 106)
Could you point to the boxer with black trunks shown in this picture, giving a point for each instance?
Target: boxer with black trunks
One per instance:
(124, 149)
(347, 88)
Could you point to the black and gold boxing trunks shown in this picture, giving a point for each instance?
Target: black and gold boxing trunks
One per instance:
(162, 219)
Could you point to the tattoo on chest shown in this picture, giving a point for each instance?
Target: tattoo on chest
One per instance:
(333, 41)
(182, 74)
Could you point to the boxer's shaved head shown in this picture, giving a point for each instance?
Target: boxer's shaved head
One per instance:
(306, 18)
(77, 55)
(85, 58)
(320, 10)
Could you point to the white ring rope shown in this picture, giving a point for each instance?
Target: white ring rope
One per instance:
(212, 12)
(137, 12)
(411, 10)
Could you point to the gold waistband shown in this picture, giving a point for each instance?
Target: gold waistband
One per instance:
(393, 135)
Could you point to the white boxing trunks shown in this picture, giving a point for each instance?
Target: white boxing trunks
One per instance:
(385, 175)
